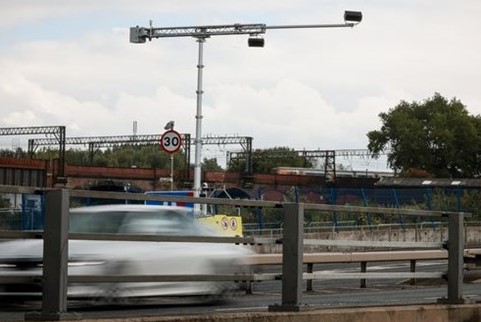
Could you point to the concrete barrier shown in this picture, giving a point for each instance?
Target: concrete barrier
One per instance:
(418, 233)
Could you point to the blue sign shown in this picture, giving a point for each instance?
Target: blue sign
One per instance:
(186, 193)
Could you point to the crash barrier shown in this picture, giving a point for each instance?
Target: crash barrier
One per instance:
(358, 257)
(55, 259)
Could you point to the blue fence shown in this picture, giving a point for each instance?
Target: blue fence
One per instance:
(33, 211)
(447, 199)
(443, 199)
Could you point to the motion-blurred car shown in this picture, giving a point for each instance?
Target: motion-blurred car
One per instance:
(94, 257)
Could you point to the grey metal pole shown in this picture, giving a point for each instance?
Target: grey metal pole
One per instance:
(455, 260)
(198, 123)
(292, 258)
(338, 25)
(171, 172)
(363, 270)
(55, 257)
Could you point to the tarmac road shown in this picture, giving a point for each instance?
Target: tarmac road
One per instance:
(326, 294)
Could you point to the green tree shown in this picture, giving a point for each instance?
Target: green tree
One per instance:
(437, 135)
(144, 156)
(466, 200)
(211, 165)
(7, 153)
(47, 153)
(265, 160)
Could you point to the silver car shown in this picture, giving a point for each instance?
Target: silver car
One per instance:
(94, 257)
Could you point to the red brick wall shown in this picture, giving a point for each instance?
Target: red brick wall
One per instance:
(22, 163)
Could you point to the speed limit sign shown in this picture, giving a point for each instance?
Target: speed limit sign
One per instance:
(170, 141)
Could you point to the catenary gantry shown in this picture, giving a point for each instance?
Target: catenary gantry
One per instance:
(96, 142)
(329, 157)
(59, 138)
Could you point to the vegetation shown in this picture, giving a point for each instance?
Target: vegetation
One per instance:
(18, 153)
(211, 165)
(145, 156)
(148, 156)
(266, 160)
(437, 136)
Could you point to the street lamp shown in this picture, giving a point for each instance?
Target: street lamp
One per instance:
(354, 16)
(255, 42)
(201, 33)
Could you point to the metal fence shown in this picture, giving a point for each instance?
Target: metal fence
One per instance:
(55, 279)
(457, 199)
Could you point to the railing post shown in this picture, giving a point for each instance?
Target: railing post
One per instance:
(309, 284)
(55, 257)
(412, 281)
(363, 270)
(292, 258)
(455, 246)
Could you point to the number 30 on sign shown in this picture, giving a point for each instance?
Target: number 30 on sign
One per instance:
(170, 141)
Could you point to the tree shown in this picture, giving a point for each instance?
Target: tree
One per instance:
(265, 160)
(438, 136)
(211, 165)
(143, 156)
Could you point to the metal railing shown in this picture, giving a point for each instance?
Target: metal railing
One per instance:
(55, 279)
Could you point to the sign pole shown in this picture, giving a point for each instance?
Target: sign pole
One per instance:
(170, 142)
(172, 172)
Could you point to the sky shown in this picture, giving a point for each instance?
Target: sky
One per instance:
(71, 63)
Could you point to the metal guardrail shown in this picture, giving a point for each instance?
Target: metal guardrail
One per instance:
(55, 279)
(371, 243)
(363, 258)
(327, 226)
(356, 257)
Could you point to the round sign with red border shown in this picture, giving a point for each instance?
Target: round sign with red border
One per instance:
(225, 223)
(233, 224)
(170, 141)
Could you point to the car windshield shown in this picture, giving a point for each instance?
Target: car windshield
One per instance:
(89, 222)
(166, 222)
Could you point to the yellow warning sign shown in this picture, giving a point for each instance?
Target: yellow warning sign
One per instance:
(225, 225)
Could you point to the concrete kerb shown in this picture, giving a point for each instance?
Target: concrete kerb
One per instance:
(412, 313)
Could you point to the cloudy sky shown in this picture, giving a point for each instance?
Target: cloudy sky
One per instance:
(71, 63)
